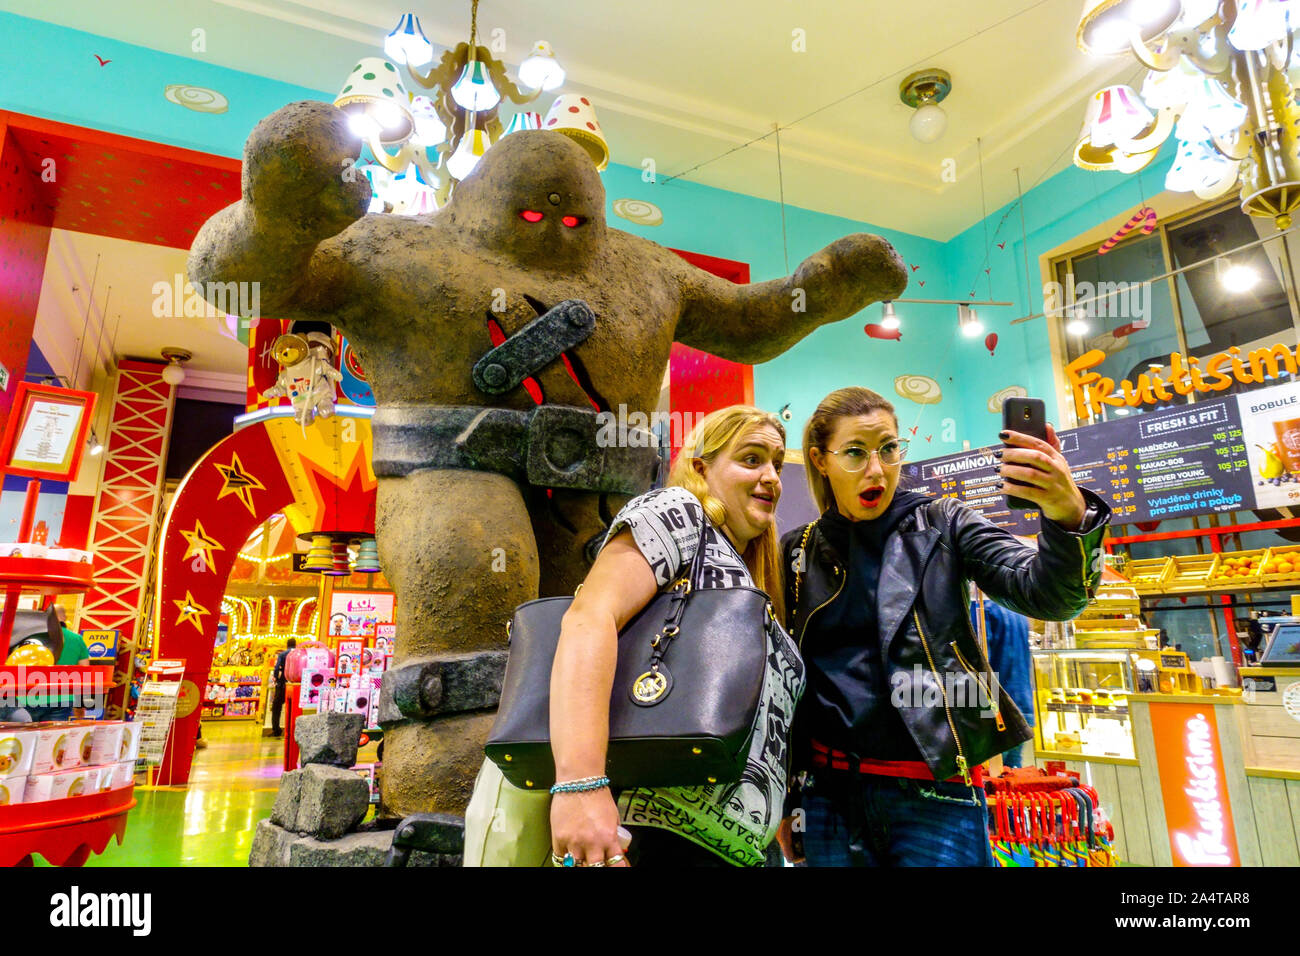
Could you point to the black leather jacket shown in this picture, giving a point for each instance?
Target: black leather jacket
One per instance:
(922, 600)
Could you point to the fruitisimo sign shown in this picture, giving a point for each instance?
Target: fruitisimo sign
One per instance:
(1198, 814)
(1092, 391)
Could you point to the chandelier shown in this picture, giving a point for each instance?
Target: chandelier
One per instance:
(1220, 78)
(417, 146)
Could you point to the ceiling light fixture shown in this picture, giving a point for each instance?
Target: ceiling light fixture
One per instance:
(444, 133)
(923, 91)
(1076, 327)
(1237, 278)
(969, 322)
(95, 446)
(890, 318)
(1220, 79)
(174, 373)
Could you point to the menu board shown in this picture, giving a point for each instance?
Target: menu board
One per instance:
(1175, 462)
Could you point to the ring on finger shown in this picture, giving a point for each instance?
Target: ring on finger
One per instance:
(566, 860)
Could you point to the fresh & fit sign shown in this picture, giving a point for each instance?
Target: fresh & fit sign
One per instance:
(1093, 391)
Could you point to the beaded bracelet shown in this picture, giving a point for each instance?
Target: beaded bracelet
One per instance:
(581, 786)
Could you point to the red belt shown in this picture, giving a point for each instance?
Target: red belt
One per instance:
(824, 756)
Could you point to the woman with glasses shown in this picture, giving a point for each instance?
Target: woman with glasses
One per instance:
(901, 706)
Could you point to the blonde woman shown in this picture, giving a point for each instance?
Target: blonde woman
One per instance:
(728, 477)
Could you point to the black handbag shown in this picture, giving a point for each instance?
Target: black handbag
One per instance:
(687, 687)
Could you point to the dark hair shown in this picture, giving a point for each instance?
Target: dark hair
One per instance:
(291, 642)
(841, 403)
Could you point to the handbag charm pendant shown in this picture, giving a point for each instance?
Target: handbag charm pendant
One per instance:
(651, 687)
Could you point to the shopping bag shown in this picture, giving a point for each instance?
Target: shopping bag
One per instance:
(506, 825)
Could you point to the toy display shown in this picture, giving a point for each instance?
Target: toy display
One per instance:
(52, 761)
(307, 375)
(17, 747)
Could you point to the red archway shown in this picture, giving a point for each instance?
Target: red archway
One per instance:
(322, 478)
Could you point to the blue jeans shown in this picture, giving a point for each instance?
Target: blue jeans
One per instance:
(869, 820)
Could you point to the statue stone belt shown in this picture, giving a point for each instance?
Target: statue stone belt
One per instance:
(488, 498)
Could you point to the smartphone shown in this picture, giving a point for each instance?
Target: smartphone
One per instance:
(1027, 416)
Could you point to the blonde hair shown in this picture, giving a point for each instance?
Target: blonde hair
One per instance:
(714, 435)
(841, 403)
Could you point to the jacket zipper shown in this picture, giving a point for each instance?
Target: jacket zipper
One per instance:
(997, 710)
(804, 630)
(1087, 585)
(962, 765)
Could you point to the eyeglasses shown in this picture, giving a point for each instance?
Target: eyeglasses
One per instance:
(854, 458)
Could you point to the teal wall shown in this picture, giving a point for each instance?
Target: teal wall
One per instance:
(50, 72)
(1056, 211)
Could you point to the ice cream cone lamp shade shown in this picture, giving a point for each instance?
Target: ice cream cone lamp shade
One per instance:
(471, 149)
(575, 117)
(523, 120)
(541, 70)
(1261, 23)
(474, 90)
(408, 44)
(1110, 27)
(376, 102)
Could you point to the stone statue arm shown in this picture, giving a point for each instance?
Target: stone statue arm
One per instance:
(299, 189)
(757, 322)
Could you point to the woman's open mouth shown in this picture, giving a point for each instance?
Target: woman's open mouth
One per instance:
(871, 497)
(764, 497)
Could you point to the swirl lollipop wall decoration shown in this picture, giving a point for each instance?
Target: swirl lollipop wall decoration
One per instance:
(919, 388)
(197, 98)
(639, 211)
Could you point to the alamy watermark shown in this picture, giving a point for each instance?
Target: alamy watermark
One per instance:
(624, 429)
(1098, 300)
(45, 687)
(181, 299)
(921, 687)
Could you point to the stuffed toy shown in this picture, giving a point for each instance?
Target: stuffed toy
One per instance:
(307, 375)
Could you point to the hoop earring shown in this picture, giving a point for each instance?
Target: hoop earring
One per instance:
(714, 510)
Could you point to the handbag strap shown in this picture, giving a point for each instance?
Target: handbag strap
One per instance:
(681, 591)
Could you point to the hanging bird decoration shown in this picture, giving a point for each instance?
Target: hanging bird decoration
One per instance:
(307, 375)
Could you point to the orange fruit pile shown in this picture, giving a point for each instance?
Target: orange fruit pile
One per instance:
(1285, 563)
(1239, 567)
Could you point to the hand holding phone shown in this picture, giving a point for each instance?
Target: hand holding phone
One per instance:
(1032, 463)
(1029, 417)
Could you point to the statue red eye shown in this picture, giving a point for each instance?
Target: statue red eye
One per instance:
(531, 215)
(572, 221)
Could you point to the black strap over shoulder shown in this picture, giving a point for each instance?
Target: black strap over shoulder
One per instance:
(681, 592)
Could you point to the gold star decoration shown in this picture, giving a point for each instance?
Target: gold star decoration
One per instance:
(190, 610)
(236, 481)
(200, 543)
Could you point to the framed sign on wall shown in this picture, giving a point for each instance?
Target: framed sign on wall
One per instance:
(46, 432)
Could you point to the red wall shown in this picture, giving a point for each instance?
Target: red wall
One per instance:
(25, 218)
(699, 382)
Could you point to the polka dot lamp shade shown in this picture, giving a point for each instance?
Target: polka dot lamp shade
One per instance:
(375, 89)
(574, 116)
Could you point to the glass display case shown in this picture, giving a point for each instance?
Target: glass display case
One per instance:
(1081, 702)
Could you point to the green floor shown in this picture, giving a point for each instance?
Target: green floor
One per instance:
(211, 822)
